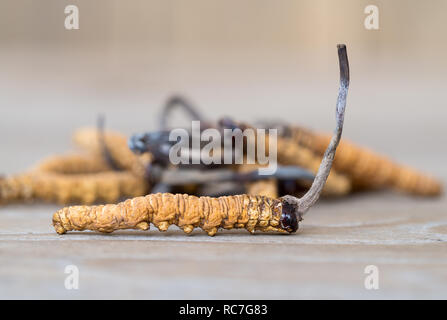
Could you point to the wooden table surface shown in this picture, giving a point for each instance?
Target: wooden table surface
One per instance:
(405, 238)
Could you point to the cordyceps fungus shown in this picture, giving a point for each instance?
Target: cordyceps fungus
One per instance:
(302, 205)
(366, 169)
(188, 212)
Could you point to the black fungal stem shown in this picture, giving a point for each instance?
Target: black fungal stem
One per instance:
(100, 124)
(310, 198)
(178, 101)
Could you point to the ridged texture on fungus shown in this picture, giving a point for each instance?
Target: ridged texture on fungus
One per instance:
(266, 188)
(73, 164)
(71, 179)
(109, 186)
(367, 169)
(164, 209)
(290, 153)
(116, 143)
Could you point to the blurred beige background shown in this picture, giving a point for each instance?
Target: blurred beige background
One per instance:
(251, 59)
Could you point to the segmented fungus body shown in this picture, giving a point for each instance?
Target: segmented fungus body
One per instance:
(266, 188)
(15, 188)
(72, 164)
(72, 179)
(366, 168)
(185, 211)
(116, 144)
(291, 153)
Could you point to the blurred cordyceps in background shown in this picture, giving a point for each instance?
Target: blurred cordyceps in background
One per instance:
(80, 177)
(106, 169)
(365, 168)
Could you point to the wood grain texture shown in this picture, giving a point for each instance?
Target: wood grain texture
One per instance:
(405, 238)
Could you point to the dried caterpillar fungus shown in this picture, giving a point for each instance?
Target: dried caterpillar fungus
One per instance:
(116, 144)
(366, 168)
(185, 211)
(188, 212)
(266, 188)
(71, 179)
(88, 188)
(15, 188)
(106, 186)
(83, 179)
(291, 153)
(73, 164)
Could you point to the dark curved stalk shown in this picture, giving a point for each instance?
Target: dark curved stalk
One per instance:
(100, 124)
(178, 101)
(303, 204)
